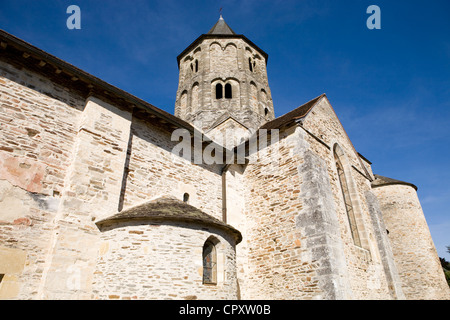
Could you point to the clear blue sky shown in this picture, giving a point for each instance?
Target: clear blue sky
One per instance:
(389, 87)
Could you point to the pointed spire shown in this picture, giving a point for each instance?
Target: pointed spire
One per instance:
(221, 27)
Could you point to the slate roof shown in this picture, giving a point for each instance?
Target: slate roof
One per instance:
(221, 27)
(170, 209)
(293, 115)
(381, 181)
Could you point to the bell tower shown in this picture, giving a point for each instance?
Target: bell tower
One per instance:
(223, 83)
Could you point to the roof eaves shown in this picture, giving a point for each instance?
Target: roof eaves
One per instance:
(90, 79)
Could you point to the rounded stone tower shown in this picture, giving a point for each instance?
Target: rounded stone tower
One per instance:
(414, 252)
(223, 83)
(166, 249)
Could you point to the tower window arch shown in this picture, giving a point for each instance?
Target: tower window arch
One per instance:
(183, 103)
(209, 263)
(346, 197)
(250, 65)
(196, 65)
(228, 91)
(195, 97)
(219, 91)
(186, 198)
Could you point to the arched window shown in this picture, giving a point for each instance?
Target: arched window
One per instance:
(250, 66)
(194, 98)
(347, 200)
(196, 65)
(228, 91)
(186, 198)
(219, 91)
(254, 97)
(266, 111)
(183, 103)
(209, 263)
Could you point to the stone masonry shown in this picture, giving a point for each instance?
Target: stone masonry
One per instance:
(223, 58)
(412, 246)
(96, 204)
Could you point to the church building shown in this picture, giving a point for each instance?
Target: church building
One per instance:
(105, 196)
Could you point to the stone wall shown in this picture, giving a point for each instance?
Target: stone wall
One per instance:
(298, 242)
(38, 123)
(387, 257)
(224, 61)
(234, 207)
(415, 255)
(154, 171)
(67, 162)
(92, 190)
(319, 224)
(162, 261)
(367, 276)
(278, 263)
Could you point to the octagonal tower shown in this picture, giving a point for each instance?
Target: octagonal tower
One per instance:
(223, 83)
